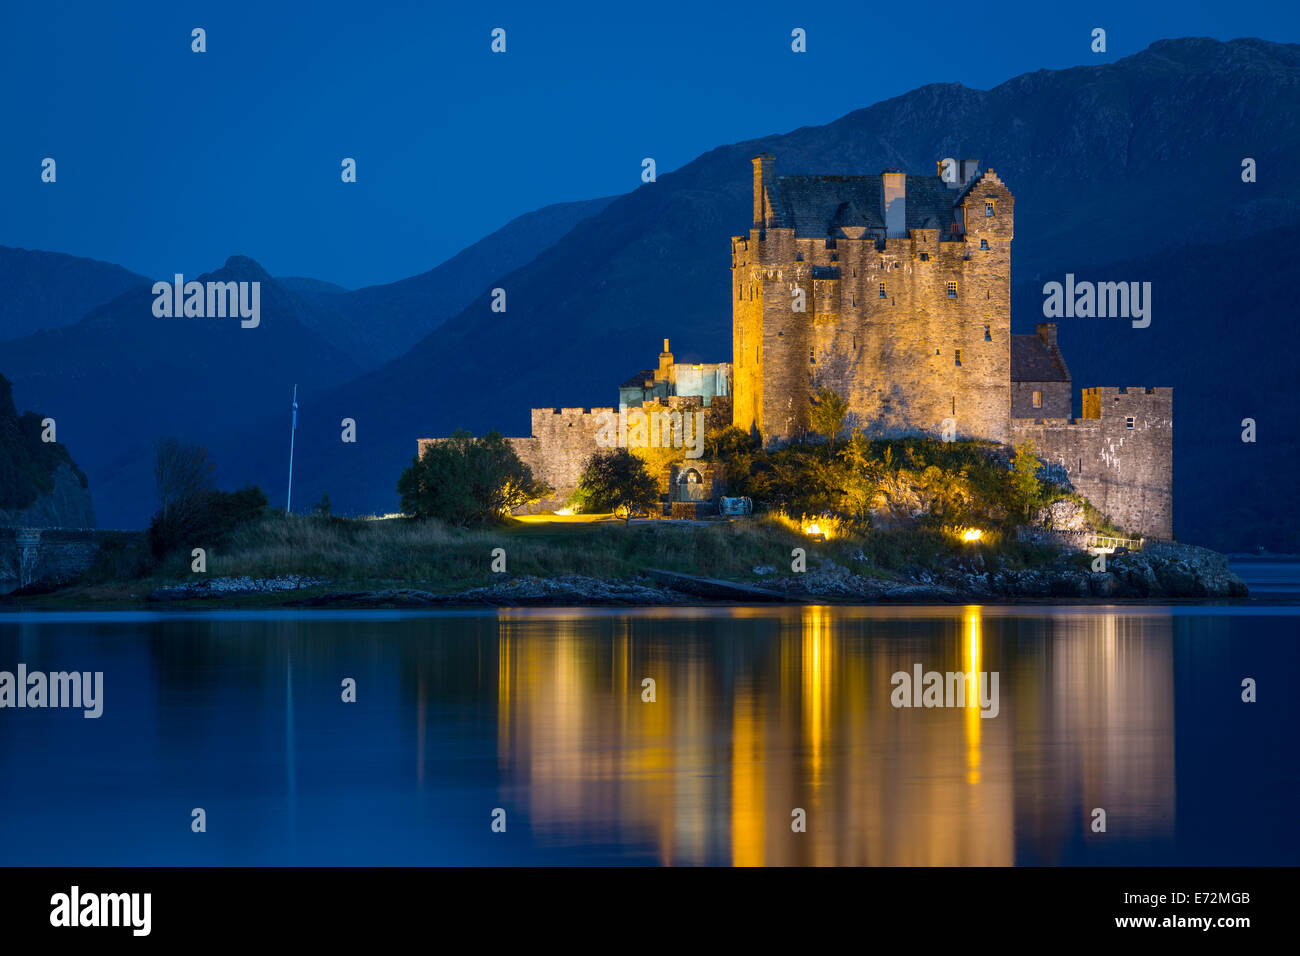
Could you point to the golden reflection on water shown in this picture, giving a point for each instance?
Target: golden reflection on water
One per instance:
(759, 713)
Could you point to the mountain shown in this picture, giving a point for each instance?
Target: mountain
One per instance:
(122, 378)
(307, 288)
(40, 485)
(47, 290)
(379, 323)
(1118, 166)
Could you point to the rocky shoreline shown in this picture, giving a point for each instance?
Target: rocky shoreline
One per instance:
(1160, 573)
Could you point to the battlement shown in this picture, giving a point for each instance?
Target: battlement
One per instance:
(569, 412)
(1103, 400)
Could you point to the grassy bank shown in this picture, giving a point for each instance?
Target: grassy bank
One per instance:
(429, 555)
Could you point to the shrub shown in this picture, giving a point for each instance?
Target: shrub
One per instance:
(206, 520)
(467, 481)
(615, 480)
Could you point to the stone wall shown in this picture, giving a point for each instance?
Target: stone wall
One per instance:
(1125, 468)
(53, 555)
(1055, 400)
(894, 357)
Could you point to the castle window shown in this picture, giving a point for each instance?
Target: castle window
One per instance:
(798, 257)
(952, 290)
(812, 356)
(1038, 399)
(835, 257)
(1128, 421)
(954, 404)
(988, 207)
(984, 243)
(988, 333)
(925, 257)
(956, 357)
(883, 295)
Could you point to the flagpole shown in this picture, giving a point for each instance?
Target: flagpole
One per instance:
(288, 506)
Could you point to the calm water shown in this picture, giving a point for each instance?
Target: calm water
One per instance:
(758, 711)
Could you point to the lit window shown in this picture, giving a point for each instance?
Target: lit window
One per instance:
(952, 290)
(956, 357)
(1038, 399)
(882, 291)
(1128, 421)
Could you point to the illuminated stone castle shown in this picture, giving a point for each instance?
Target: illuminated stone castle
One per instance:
(895, 292)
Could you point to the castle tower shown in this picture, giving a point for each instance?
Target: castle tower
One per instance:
(892, 290)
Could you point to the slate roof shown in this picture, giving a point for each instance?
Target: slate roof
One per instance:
(1032, 360)
(817, 206)
(640, 378)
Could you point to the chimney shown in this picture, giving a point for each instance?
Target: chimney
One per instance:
(1047, 332)
(895, 196)
(970, 168)
(764, 163)
(665, 363)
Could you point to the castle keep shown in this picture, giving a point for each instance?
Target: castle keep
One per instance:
(895, 292)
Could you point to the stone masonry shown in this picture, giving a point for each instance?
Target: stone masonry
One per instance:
(895, 291)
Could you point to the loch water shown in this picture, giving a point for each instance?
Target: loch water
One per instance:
(537, 718)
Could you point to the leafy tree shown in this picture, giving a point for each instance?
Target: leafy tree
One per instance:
(1026, 489)
(614, 480)
(465, 481)
(206, 519)
(829, 410)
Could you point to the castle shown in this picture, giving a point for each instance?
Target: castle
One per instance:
(895, 292)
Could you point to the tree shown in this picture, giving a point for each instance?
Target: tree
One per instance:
(829, 409)
(1026, 489)
(205, 520)
(464, 480)
(613, 480)
(182, 472)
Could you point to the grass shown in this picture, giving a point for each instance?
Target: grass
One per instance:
(432, 556)
(370, 554)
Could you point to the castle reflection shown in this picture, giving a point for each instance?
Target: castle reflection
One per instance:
(751, 724)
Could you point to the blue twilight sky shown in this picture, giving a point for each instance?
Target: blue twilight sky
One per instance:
(170, 161)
